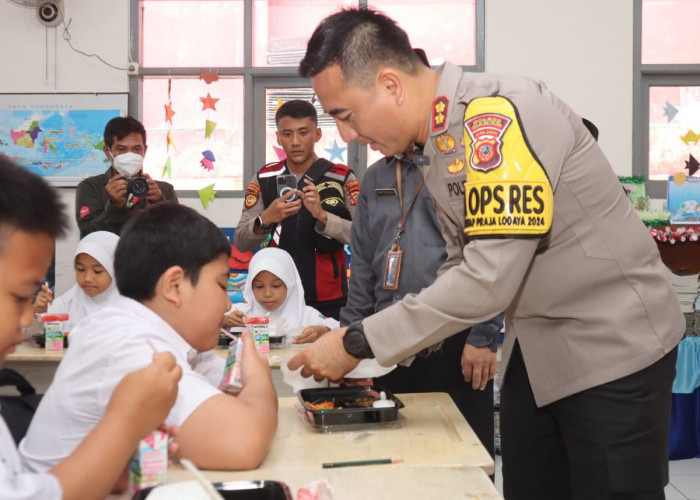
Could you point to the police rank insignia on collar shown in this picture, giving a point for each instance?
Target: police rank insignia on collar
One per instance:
(252, 193)
(445, 143)
(456, 166)
(440, 110)
(486, 131)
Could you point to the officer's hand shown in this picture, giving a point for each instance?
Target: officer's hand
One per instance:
(325, 358)
(154, 192)
(312, 202)
(116, 189)
(478, 365)
(280, 209)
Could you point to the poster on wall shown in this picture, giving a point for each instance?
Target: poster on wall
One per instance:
(684, 199)
(58, 136)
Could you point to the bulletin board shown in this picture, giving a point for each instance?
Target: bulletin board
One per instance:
(58, 136)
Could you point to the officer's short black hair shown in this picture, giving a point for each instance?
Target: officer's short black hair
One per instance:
(162, 236)
(296, 109)
(28, 203)
(120, 127)
(359, 41)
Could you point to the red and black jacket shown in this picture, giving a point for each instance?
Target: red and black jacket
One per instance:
(320, 260)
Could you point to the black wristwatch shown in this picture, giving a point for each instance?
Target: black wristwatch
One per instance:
(264, 227)
(355, 342)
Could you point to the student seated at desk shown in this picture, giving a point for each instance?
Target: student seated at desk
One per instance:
(171, 267)
(274, 288)
(95, 287)
(31, 217)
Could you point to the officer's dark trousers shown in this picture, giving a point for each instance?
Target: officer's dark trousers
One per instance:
(441, 371)
(608, 442)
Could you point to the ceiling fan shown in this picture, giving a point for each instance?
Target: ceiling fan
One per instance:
(48, 12)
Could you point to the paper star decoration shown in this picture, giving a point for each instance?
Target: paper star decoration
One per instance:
(336, 151)
(209, 127)
(692, 165)
(207, 194)
(167, 168)
(170, 141)
(209, 102)
(207, 162)
(670, 111)
(281, 155)
(169, 113)
(689, 137)
(208, 76)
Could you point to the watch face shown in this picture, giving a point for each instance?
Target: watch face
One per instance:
(354, 342)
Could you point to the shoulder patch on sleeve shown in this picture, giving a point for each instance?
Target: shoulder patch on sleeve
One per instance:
(507, 191)
(252, 194)
(353, 186)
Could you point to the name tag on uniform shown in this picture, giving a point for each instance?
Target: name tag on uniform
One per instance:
(385, 192)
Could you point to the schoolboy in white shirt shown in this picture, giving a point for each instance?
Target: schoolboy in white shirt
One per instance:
(31, 217)
(171, 266)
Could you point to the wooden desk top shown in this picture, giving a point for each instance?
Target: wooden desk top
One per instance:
(30, 352)
(434, 433)
(378, 482)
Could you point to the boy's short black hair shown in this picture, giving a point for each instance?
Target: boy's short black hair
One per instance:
(296, 109)
(162, 236)
(28, 203)
(120, 127)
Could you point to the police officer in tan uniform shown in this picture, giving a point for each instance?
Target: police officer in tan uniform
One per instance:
(591, 320)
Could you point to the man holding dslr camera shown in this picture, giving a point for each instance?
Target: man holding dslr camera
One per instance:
(304, 205)
(105, 202)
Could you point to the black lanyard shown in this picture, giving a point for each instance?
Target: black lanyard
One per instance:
(402, 218)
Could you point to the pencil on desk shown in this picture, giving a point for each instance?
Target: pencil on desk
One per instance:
(352, 463)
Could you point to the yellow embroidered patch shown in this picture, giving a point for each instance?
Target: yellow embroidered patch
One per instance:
(507, 191)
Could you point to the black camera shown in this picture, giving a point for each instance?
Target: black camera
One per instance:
(286, 183)
(137, 186)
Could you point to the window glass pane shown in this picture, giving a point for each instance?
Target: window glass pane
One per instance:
(188, 132)
(446, 31)
(331, 146)
(674, 130)
(199, 33)
(281, 28)
(669, 32)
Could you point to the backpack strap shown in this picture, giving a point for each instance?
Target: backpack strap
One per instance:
(9, 377)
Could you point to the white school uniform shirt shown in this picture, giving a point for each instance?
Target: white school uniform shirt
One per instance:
(104, 347)
(18, 485)
(293, 313)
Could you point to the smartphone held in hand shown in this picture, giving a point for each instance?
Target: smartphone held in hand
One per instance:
(286, 183)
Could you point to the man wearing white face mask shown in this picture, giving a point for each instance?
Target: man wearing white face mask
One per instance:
(105, 202)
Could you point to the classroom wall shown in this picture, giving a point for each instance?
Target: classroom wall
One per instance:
(582, 50)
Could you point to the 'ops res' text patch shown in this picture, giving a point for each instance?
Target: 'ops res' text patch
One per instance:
(507, 192)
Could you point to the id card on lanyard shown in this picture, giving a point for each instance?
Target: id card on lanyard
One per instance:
(392, 267)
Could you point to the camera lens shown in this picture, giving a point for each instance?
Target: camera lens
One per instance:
(138, 186)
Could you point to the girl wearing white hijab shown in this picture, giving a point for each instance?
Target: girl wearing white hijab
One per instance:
(95, 286)
(273, 288)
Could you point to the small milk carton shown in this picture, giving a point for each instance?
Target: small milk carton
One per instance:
(53, 331)
(149, 465)
(232, 382)
(260, 328)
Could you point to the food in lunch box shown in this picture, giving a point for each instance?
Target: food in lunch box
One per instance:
(362, 400)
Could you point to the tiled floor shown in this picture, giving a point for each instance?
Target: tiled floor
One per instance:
(684, 476)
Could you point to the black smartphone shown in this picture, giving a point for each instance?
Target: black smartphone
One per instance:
(285, 183)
